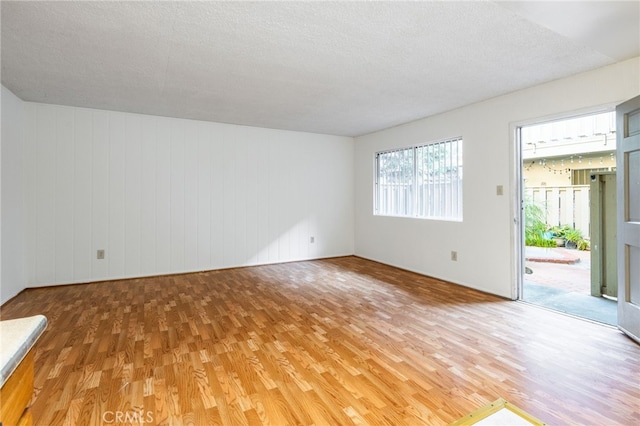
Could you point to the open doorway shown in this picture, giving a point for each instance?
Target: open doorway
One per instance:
(568, 171)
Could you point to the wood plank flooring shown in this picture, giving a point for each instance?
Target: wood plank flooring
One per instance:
(339, 341)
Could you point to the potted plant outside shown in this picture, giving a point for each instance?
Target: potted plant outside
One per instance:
(573, 237)
(584, 245)
(559, 233)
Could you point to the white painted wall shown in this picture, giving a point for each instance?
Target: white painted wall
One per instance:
(12, 225)
(485, 239)
(165, 195)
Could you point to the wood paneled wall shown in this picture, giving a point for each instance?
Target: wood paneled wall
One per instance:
(165, 195)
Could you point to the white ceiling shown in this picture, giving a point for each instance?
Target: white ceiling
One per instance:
(342, 68)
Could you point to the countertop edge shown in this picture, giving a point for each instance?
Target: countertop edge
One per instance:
(29, 331)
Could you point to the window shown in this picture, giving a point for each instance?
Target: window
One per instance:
(421, 181)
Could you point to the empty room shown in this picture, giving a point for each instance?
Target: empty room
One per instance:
(306, 213)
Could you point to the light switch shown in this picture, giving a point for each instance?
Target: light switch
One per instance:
(499, 190)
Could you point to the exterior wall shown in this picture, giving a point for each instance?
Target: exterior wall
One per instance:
(557, 172)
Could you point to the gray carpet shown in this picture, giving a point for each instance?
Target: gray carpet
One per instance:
(581, 305)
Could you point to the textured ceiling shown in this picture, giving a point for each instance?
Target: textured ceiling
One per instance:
(342, 68)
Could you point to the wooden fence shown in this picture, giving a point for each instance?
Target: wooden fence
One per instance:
(564, 205)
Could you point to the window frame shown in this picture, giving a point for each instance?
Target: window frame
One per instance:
(422, 207)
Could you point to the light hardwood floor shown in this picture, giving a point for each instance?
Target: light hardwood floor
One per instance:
(338, 341)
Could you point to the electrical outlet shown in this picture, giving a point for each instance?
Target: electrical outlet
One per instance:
(312, 240)
(100, 254)
(454, 255)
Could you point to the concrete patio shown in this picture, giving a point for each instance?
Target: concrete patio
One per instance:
(561, 280)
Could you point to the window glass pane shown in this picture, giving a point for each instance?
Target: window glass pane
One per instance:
(439, 180)
(422, 181)
(395, 183)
